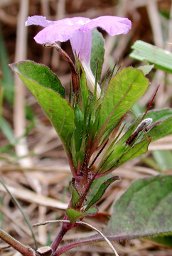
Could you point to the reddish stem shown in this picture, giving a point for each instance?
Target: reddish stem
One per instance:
(58, 239)
(89, 240)
(70, 246)
(64, 229)
(70, 161)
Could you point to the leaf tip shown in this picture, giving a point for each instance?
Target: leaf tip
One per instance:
(13, 66)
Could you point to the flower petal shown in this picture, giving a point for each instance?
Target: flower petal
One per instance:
(113, 25)
(77, 30)
(61, 30)
(38, 20)
(81, 44)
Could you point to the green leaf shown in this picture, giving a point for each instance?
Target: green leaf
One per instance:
(122, 92)
(146, 69)
(97, 54)
(145, 209)
(73, 214)
(159, 114)
(7, 130)
(57, 108)
(40, 74)
(79, 138)
(91, 211)
(7, 79)
(161, 130)
(84, 90)
(164, 240)
(101, 190)
(74, 193)
(163, 159)
(121, 153)
(164, 123)
(162, 59)
(135, 151)
(79, 121)
(115, 154)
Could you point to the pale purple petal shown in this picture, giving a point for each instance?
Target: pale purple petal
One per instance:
(61, 30)
(77, 30)
(42, 21)
(38, 20)
(81, 44)
(55, 33)
(111, 24)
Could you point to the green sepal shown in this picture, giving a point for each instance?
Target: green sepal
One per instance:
(84, 91)
(74, 194)
(74, 215)
(79, 121)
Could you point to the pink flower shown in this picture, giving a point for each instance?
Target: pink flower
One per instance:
(78, 31)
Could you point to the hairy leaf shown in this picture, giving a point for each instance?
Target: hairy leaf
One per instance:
(145, 209)
(45, 87)
(97, 53)
(101, 190)
(163, 120)
(135, 151)
(158, 114)
(123, 91)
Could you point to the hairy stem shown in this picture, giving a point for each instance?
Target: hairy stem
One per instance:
(24, 250)
(58, 239)
(68, 247)
(66, 226)
(80, 242)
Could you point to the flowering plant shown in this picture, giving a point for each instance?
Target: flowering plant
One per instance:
(95, 130)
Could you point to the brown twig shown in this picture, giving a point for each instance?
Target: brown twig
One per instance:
(24, 250)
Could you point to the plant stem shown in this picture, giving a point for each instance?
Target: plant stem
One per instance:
(70, 246)
(24, 250)
(58, 239)
(64, 229)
